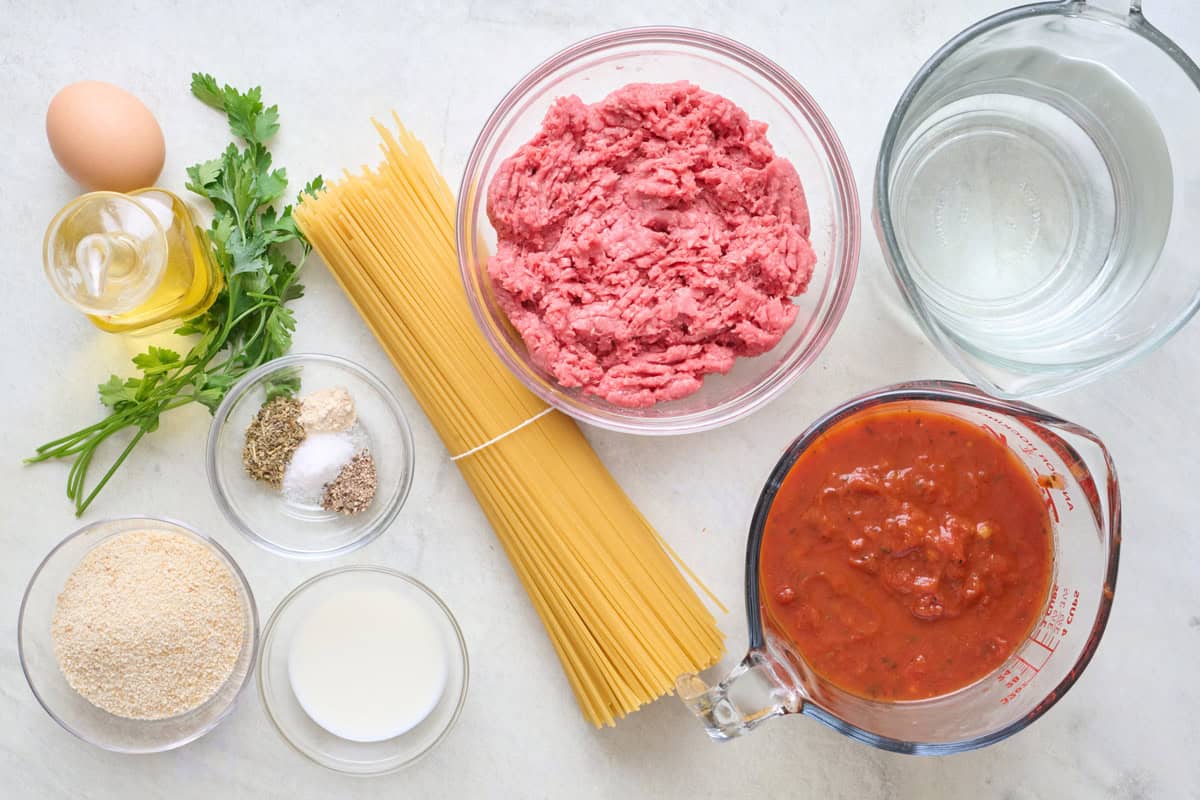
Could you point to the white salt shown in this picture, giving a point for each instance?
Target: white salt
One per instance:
(316, 462)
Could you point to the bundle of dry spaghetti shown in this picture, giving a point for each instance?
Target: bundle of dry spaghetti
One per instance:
(623, 619)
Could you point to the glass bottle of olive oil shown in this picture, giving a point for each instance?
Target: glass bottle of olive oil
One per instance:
(131, 262)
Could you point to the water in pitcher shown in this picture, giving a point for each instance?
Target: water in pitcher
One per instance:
(1033, 198)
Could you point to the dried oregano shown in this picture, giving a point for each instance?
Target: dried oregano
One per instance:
(273, 435)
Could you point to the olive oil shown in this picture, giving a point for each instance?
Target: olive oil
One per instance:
(131, 262)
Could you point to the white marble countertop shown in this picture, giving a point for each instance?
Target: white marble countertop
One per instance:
(1129, 729)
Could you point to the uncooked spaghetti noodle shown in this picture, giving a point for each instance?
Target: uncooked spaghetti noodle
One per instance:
(624, 621)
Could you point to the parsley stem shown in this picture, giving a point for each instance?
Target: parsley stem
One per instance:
(69, 445)
(79, 468)
(248, 312)
(81, 507)
(42, 453)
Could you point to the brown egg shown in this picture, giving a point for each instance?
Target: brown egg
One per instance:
(104, 137)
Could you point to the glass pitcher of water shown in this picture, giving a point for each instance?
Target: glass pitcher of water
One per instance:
(1037, 194)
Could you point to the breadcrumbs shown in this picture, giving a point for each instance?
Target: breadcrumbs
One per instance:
(149, 625)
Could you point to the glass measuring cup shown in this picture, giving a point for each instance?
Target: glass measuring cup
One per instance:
(1083, 498)
(1035, 192)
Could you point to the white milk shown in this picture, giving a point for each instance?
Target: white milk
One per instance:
(368, 664)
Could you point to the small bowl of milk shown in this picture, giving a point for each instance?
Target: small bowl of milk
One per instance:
(363, 670)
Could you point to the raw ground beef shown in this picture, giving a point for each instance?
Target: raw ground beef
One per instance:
(648, 240)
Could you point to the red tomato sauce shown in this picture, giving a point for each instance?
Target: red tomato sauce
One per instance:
(907, 554)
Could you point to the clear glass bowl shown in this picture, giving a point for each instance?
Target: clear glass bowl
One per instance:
(259, 511)
(1035, 195)
(313, 741)
(35, 647)
(798, 130)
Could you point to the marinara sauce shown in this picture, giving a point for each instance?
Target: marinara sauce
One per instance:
(907, 554)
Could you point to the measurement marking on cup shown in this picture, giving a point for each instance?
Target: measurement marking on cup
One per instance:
(1048, 635)
(1026, 663)
(1049, 643)
(1030, 448)
(1015, 681)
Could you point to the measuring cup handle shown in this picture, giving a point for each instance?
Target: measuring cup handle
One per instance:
(1132, 7)
(755, 690)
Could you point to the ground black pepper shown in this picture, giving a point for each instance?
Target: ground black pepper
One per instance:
(354, 487)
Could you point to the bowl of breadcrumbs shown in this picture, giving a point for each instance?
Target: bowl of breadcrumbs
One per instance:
(138, 634)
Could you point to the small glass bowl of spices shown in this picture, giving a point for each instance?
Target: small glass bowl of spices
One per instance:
(310, 456)
(137, 634)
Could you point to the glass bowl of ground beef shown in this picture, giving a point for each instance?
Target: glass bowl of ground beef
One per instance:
(658, 230)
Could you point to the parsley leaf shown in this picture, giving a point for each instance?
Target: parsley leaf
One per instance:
(280, 326)
(266, 124)
(312, 188)
(246, 256)
(156, 359)
(114, 392)
(204, 87)
(284, 383)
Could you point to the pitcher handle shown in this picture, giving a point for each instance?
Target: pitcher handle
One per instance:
(757, 689)
(1119, 7)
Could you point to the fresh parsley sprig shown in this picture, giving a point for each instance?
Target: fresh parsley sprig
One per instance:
(248, 324)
